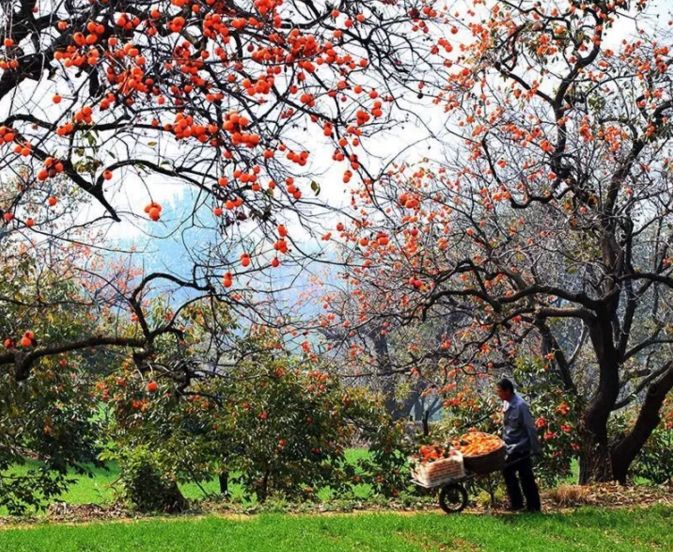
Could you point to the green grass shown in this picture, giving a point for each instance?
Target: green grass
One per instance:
(92, 490)
(586, 529)
(99, 488)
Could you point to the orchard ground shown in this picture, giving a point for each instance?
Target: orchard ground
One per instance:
(101, 487)
(415, 526)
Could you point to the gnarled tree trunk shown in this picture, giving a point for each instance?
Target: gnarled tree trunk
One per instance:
(626, 450)
(595, 457)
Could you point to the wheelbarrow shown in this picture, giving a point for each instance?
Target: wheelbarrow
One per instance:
(452, 491)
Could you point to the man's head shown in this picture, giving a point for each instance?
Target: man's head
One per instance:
(505, 389)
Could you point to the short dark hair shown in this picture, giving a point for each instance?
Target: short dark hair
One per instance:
(506, 385)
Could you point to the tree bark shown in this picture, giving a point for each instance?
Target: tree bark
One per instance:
(595, 457)
(625, 451)
(426, 426)
(387, 379)
(262, 490)
(224, 483)
(174, 501)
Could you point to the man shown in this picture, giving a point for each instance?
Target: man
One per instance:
(521, 440)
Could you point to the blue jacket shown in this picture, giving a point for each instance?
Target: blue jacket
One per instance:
(519, 432)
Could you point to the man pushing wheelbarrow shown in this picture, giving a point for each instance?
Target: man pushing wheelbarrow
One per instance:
(475, 454)
(521, 442)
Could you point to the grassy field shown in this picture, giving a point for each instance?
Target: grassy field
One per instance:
(586, 529)
(99, 489)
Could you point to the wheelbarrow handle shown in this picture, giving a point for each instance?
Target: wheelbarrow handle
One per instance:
(518, 459)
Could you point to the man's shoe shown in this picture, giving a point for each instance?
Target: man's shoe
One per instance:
(516, 508)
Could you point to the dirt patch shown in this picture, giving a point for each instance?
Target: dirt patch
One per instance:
(61, 511)
(607, 495)
(84, 514)
(427, 543)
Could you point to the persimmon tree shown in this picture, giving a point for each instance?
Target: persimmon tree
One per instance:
(249, 411)
(383, 352)
(48, 424)
(548, 227)
(216, 96)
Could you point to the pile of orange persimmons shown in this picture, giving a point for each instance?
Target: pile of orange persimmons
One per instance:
(478, 443)
(430, 453)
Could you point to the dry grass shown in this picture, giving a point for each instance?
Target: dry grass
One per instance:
(570, 495)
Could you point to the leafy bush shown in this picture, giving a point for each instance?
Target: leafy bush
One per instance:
(21, 489)
(47, 427)
(288, 430)
(147, 484)
(48, 416)
(556, 414)
(386, 467)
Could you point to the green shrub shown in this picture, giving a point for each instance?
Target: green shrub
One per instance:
(47, 427)
(146, 483)
(556, 414)
(386, 467)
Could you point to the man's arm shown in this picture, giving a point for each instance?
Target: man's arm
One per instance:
(529, 424)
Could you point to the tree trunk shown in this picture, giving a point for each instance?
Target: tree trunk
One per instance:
(626, 450)
(224, 483)
(595, 458)
(174, 501)
(418, 409)
(262, 490)
(387, 379)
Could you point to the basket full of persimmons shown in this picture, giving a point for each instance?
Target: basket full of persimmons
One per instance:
(482, 452)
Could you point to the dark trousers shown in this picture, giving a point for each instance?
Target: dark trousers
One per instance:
(519, 476)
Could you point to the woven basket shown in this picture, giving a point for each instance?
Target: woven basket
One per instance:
(486, 463)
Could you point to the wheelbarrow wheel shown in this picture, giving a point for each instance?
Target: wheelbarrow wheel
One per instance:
(453, 498)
